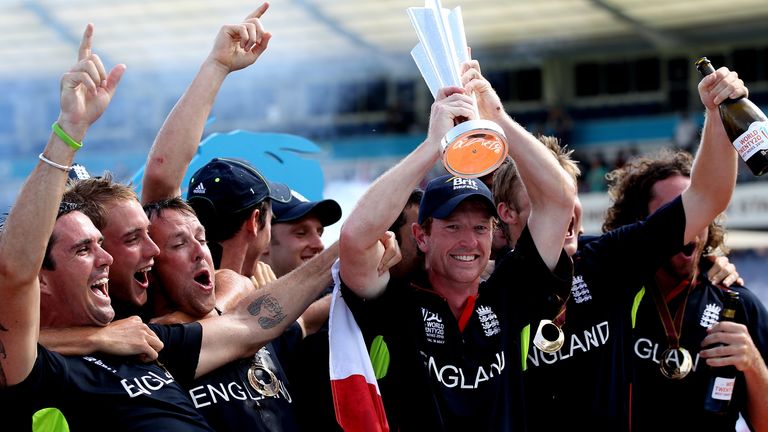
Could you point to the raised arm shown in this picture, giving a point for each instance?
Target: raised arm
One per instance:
(236, 46)
(360, 250)
(86, 90)
(709, 195)
(265, 314)
(551, 190)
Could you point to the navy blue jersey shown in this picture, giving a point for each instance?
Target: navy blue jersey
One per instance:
(441, 378)
(100, 392)
(307, 369)
(683, 400)
(585, 385)
(229, 403)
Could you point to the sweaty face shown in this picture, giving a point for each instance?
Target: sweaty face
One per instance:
(293, 243)
(75, 293)
(184, 267)
(662, 192)
(458, 247)
(126, 238)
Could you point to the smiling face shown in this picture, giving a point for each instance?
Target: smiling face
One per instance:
(75, 289)
(458, 247)
(126, 238)
(293, 243)
(184, 267)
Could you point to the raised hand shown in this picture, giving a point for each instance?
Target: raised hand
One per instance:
(392, 255)
(262, 274)
(86, 89)
(239, 45)
(451, 105)
(719, 86)
(488, 103)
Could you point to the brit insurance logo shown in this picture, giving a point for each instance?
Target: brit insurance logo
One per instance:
(710, 316)
(579, 290)
(488, 320)
(464, 183)
(434, 329)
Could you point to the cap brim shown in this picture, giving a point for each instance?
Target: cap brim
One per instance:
(445, 210)
(328, 212)
(279, 192)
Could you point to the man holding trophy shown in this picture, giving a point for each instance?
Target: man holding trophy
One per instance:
(449, 345)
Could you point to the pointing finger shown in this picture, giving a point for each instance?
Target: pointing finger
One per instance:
(259, 11)
(86, 43)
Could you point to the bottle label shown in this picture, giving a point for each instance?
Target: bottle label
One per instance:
(753, 140)
(723, 388)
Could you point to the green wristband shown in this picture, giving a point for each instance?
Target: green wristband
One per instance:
(64, 137)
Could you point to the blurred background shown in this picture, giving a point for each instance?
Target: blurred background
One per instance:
(610, 78)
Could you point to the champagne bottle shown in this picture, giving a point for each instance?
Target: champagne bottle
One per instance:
(745, 124)
(722, 379)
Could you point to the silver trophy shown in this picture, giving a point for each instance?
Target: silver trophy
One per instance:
(472, 148)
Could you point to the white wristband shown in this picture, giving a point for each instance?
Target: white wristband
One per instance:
(54, 164)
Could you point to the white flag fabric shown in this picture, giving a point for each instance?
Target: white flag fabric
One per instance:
(356, 395)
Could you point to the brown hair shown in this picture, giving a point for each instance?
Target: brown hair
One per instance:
(95, 194)
(506, 180)
(630, 189)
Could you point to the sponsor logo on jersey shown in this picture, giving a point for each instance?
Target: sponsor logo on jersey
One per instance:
(434, 329)
(579, 290)
(589, 339)
(452, 376)
(98, 362)
(200, 189)
(710, 316)
(488, 320)
(647, 349)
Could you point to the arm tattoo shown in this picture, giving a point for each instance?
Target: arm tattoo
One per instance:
(271, 307)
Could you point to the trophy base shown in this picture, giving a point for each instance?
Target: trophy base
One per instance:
(474, 148)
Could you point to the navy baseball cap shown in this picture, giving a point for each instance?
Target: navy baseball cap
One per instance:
(443, 194)
(231, 185)
(328, 211)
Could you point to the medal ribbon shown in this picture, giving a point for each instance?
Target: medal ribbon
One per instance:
(560, 317)
(671, 328)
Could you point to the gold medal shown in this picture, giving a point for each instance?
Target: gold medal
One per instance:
(263, 380)
(675, 363)
(549, 337)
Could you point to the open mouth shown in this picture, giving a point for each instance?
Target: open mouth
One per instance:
(689, 249)
(203, 278)
(570, 232)
(141, 276)
(100, 287)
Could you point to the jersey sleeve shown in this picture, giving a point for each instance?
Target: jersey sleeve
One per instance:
(641, 247)
(522, 275)
(373, 316)
(181, 349)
